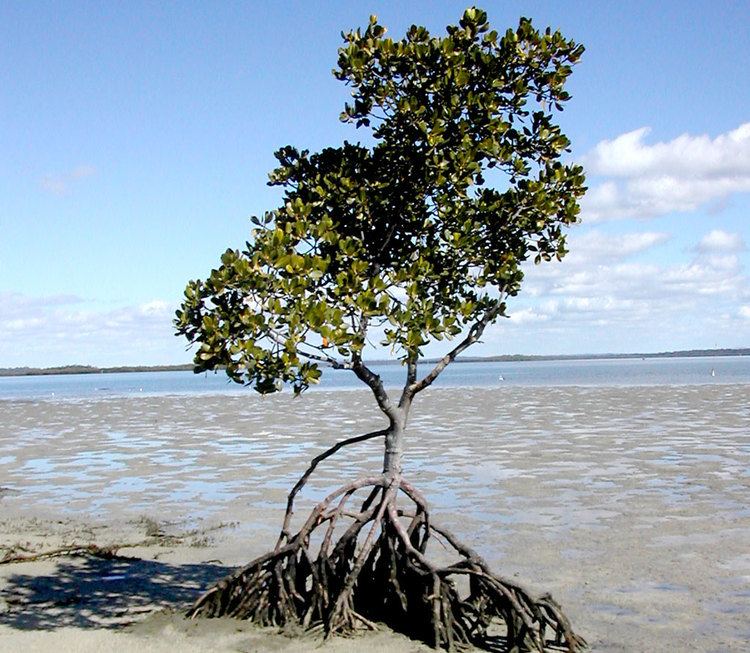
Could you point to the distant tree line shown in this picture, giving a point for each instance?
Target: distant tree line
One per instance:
(89, 369)
(507, 358)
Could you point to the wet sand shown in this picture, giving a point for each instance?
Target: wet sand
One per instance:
(630, 505)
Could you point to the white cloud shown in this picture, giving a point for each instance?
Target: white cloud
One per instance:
(528, 315)
(59, 184)
(156, 307)
(63, 330)
(21, 324)
(627, 156)
(721, 241)
(598, 300)
(597, 246)
(679, 175)
(601, 283)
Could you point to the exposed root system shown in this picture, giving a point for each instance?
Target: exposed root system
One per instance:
(347, 569)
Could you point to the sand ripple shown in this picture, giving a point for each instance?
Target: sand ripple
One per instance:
(630, 504)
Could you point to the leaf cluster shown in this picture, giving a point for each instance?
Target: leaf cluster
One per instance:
(406, 235)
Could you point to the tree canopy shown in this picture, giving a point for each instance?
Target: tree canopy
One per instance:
(419, 234)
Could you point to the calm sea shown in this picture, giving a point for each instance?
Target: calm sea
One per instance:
(601, 373)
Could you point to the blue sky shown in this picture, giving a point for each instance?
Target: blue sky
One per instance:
(135, 139)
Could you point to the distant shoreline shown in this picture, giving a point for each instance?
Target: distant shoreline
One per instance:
(507, 358)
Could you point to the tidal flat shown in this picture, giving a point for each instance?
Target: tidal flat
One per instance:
(629, 504)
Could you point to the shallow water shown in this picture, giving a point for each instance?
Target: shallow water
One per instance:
(714, 370)
(629, 503)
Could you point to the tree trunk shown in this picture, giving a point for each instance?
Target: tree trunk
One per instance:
(394, 446)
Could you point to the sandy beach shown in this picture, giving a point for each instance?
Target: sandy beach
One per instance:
(628, 504)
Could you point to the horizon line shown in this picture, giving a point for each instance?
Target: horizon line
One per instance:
(94, 369)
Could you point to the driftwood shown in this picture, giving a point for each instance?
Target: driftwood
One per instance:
(72, 550)
(154, 533)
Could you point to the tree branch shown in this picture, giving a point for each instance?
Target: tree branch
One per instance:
(369, 378)
(323, 357)
(313, 464)
(475, 332)
(335, 363)
(373, 381)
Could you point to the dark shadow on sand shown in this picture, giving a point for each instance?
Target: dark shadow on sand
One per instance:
(87, 592)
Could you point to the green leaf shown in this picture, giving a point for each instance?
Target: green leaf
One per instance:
(408, 230)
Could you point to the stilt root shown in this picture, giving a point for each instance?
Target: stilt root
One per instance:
(344, 571)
